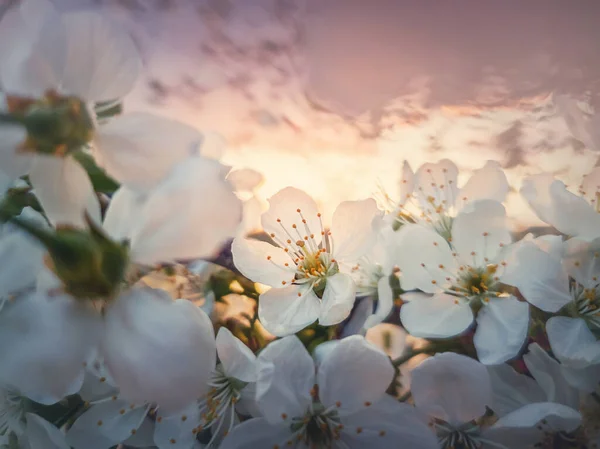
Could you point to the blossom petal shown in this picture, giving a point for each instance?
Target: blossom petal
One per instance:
(106, 424)
(238, 360)
(421, 252)
(536, 191)
(194, 201)
(338, 299)
(558, 417)
(407, 183)
(502, 326)
(32, 48)
(367, 374)
(352, 228)
(489, 182)
(123, 212)
(282, 312)
(43, 435)
(384, 424)
(512, 390)
(64, 190)
(479, 232)
(286, 376)
(437, 181)
(176, 432)
(262, 262)
(284, 206)
(102, 60)
(539, 277)
(549, 376)
(259, 433)
(572, 342)
(385, 303)
(140, 149)
(245, 179)
(452, 387)
(13, 163)
(152, 343)
(576, 218)
(439, 316)
(581, 261)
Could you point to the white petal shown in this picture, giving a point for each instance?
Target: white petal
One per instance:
(489, 182)
(43, 344)
(536, 190)
(123, 211)
(479, 232)
(338, 299)
(452, 387)
(32, 48)
(385, 303)
(103, 62)
(257, 433)
(262, 262)
(572, 342)
(22, 255)
(282, 312)
(284, 206)
(13, 163)
(367, 373)
(502, 326)
(140, 149)
(512, 390)
(385, 424)
(577, 217)
(286, 376)
(388, 337)
(558, 417)
(352, 228)
(97, 383)
(157, 349)
(238, 360)
(194, 202)
(64, 190)
(245, 179)
(439, 316)
(548, 374)
(106, 424)
(437, 181)
(407, 183)
(539, 277)
(43, 435)
(582, 261)
(421, 251)
(176, 432)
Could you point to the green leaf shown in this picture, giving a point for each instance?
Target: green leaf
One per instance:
(100, 180)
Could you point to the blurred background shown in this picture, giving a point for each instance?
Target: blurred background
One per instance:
(332, 95)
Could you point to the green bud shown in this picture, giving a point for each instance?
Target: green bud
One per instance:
(55, 125)
(88, 262)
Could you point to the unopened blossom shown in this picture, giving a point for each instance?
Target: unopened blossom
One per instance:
(559, 275)
(172, 341)
(59, 67)
(111, 419)
(343, 405)
(431, 196)
(464, 277)
(573, 211)
(305, 267)
(455, 391)
(575, 420)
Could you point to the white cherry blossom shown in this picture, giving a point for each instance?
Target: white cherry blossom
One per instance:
(463, 275)
(574, 212)
(431, 196)
(455, 392)
(306, 268)
(302, 409)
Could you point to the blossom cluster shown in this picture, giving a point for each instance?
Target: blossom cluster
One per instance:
(137, 311)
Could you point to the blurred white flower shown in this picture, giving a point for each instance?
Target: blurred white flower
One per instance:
(112, 420)
(306, 269)
(462, 274)
(455, 392)
(431, 196)
(573, 214)
(327, 409)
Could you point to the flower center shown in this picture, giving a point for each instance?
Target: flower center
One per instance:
(466, 436)
(12, 412)
(587, 304)
(318, 427)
